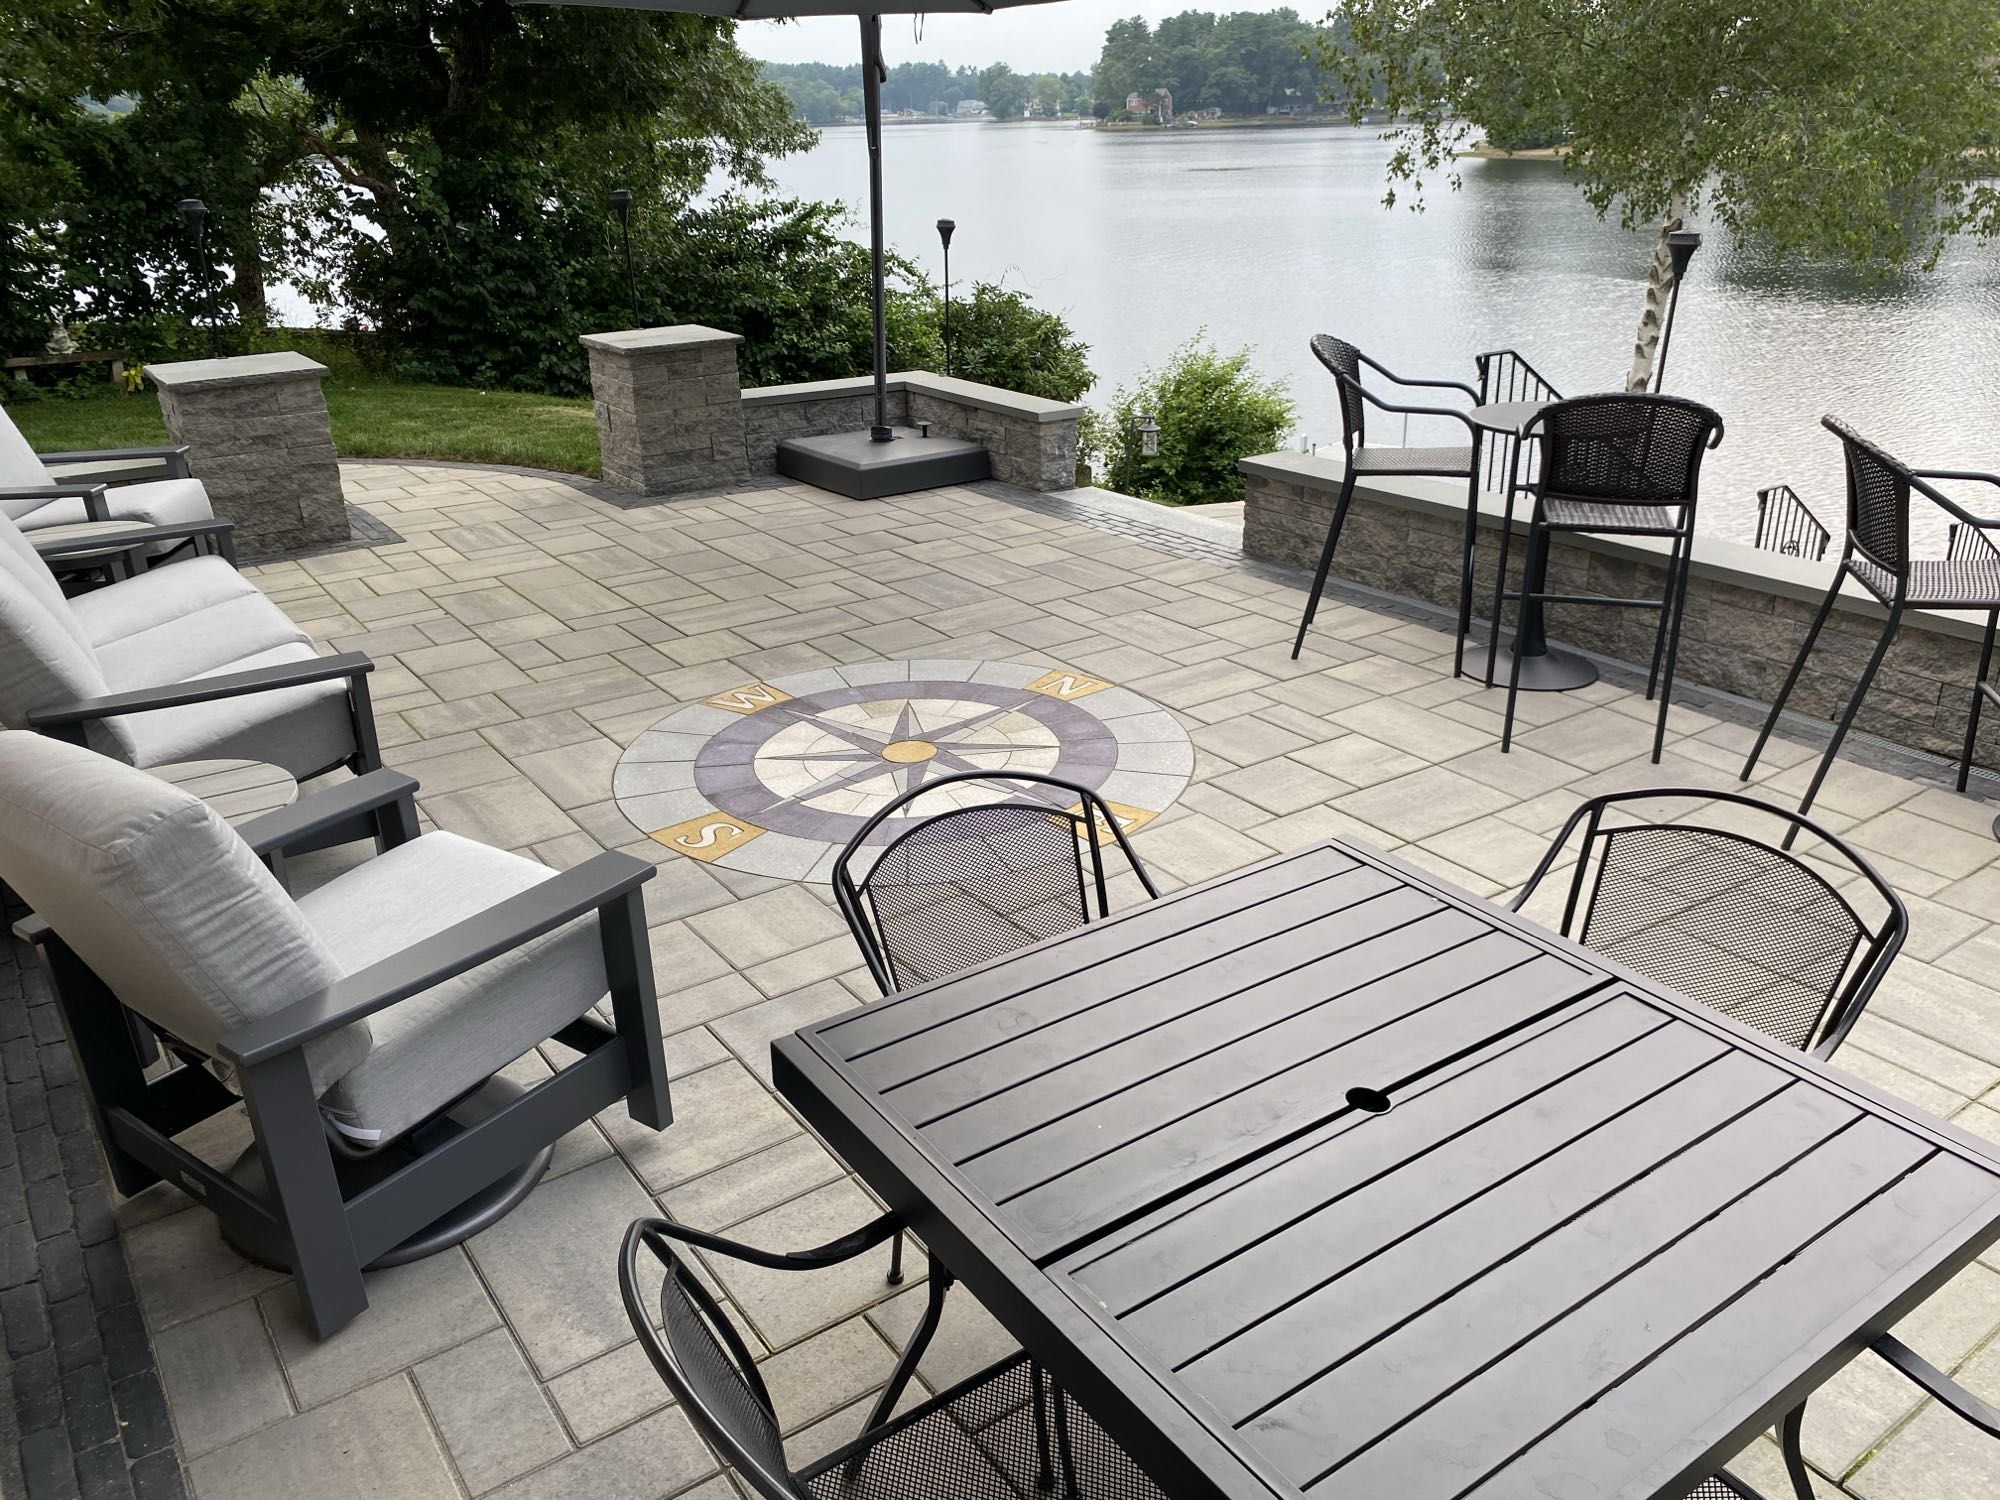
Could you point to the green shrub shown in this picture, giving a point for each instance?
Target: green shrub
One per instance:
(1212, 410)
(998, 337)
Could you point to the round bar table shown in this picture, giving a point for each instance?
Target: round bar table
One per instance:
(1544, 668)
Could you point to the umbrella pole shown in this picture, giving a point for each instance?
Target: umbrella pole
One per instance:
(871, 97)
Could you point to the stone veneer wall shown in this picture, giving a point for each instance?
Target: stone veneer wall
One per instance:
(1032, 442)
(772, 413)
(258, 439)
(1747, 610)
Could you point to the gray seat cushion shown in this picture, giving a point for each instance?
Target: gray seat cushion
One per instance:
(45, 657)
(434, 1046)
(160, 897)
(152, 502)
(201, 618)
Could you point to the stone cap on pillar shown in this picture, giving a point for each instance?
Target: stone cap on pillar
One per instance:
(242, 369)
(657, 340)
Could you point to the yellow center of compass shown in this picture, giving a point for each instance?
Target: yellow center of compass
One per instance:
(908, 752)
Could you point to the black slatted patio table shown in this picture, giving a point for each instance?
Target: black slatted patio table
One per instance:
(1598, 1238)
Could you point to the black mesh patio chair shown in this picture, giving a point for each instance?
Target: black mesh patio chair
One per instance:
(1876, 555)
(1947, 1392)
(1345, 362)
(1000, 1435)
(1621, 464)
(1021, 858)
(1682, 885)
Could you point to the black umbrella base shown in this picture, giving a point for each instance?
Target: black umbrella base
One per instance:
(855, 465)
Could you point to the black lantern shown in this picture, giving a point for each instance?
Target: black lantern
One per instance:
(621, 205)
(945, 228)
(194, 213)
(1681, 246)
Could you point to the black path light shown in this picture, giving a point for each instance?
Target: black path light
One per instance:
(945, 227)
(1681, 246)
(621, 205)
(836, 462)
(194, 213)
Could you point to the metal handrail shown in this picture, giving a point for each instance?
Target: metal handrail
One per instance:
(1786, 525)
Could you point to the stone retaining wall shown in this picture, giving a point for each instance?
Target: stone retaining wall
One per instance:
(671, 418)
(1747, 610)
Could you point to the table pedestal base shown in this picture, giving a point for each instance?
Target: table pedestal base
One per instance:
(1549, 671)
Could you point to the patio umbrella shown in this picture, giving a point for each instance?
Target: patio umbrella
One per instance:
(870, 13)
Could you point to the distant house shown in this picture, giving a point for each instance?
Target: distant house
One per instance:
(1137, 104)
(972, 106)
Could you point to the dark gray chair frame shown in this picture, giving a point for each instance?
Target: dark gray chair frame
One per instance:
(1844, 1006)
(1900, 1357)
(1355, 399)
(334, 1234)
(852, 896)
(1855, 553)
(1672, 604)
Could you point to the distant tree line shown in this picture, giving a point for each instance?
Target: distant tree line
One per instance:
(1245, 63)
(826, 93)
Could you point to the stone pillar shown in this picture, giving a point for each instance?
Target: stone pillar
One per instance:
(669, 408)
(258, 439)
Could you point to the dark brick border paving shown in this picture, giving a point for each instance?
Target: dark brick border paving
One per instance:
(89, 1416)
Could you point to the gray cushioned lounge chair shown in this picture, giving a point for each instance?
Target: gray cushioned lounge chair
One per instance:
(34, 498)
(185, 662)
(362, 1024)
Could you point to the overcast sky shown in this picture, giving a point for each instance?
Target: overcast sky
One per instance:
(1058, 38)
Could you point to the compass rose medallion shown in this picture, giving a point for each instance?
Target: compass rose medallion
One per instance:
(774, 778)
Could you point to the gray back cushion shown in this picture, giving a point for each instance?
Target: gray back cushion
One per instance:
(19, 468)
(159, 896)
(44, 657)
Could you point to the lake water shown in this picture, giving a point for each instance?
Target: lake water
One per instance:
(1267, 237)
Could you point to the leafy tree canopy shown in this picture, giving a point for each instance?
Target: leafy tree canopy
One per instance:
(1856, 131)
(1240, 63)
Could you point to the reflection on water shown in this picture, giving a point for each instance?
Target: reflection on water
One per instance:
(1269, 237)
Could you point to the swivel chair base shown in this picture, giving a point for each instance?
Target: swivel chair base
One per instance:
(267, 1246)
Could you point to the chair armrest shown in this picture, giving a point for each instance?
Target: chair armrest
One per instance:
(202, 690)
(99, 455)
(591, 886)
(1444, 385)
(221, 532)
(276, 831)
(1938, 1384)
(1419, 411)
(1950, 506)
(92, 495)
(173, 455)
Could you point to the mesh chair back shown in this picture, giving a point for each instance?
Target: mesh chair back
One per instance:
(1625, 448)
(703, 1361)
(1878, 500)
(980, 881)
(1344, 360)
(1681, 886)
